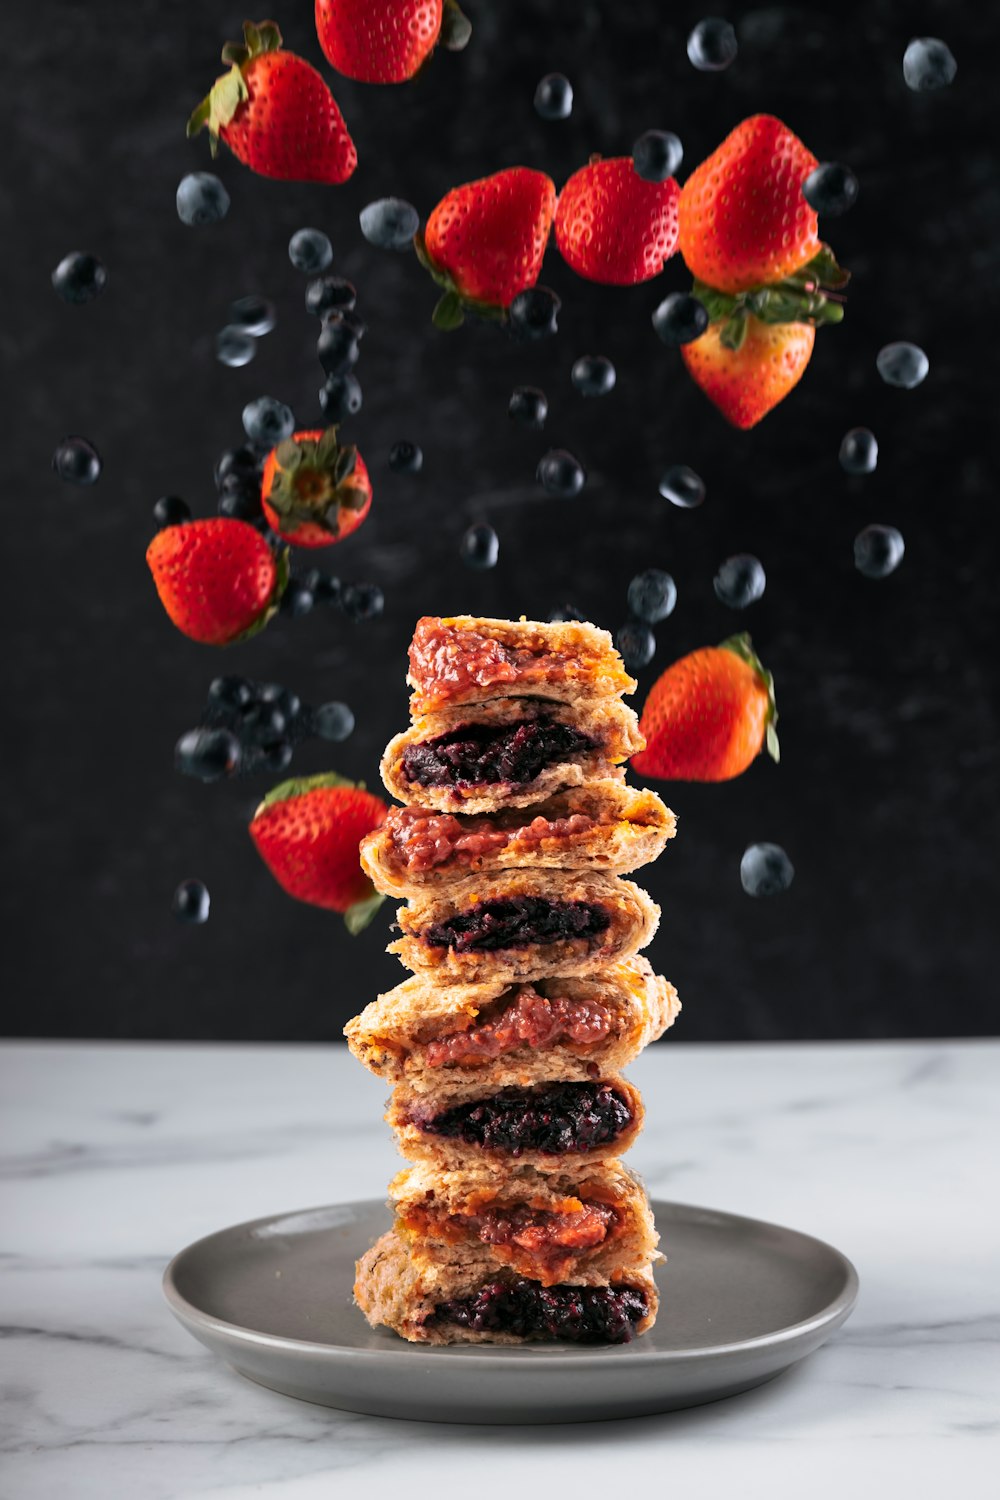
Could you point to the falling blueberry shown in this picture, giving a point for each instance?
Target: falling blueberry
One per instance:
(330, 294)
(171, 510)
(529, 406)
(830, 189)
(904, 365)
(406, 458)
(712, 45)
(928, 63)
(480, 547)
(208, 754)
(680, 319)
(191, 902)
(239, 497)
(389, 223)
(268, 421)
(276, 754)
(201, 199)
(560, 473)
(766, 870)
(80, 277)
(657, 154)
(264, 722)
(77, 461)
(682, 486)
(593, 375)
(235, 461)
(309, 250)
(564, 613)
(534, 314)
(297, 600)
(234, 347)
(333, 721)
(554, 97)
(253, 315)
(636, 643)
(740, 581)
(878, 551)
(652, 595)
(324, 587)
(230, 693)
(346, 317)
(337, 348)
(858, 451)
(362, 601)
(340, 397)
(289, 704)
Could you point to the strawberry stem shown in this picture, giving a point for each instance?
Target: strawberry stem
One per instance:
(456, 28)
(809, 295)
(742, 646)
(357, 917)
(298, 786)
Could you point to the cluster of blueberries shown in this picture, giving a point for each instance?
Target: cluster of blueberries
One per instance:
(249, 727)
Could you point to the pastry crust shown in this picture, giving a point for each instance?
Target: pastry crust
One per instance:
(391, 1290)
(624, 827)
(391, 1035)
(609, 723)
(471, 659)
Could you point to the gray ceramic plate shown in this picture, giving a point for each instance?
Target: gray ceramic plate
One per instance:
(741, 1302)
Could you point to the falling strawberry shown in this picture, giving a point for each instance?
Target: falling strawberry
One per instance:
(217, 579)
(307, 832)
(708, 716)
(485, 242)
(387, 41)
(748, 381)
(275, 113)
(314, 492)
(615, 227)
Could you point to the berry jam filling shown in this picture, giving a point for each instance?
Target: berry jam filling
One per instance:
(578, 1314)
(553, 1118)
(515, 921)
(528, 1019)
(422, 839)
(481, 754)
(446, 661)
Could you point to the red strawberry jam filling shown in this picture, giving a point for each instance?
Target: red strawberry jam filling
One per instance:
(516, 921)
(526, 1019)
(446, 662)
(577, 1314)
(488, 754)
(555, 1119)
(422, 839)
(544, 1243)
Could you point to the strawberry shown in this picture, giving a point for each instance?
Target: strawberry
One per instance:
(275, 113)
(307, 832)
(745, 383)
(218, 580)
(615, 227)
(387, 41)
(485, 242)
(314, 492)
(708, 716)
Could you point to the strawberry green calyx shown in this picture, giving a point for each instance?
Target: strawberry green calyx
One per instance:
(809, 295)
(742, 646)
(456, 28)
(282, 572)
(300, 786)
(314, 480)
(358, 916)
(453, 305)
(217, 109)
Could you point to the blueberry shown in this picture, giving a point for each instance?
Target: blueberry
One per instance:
(330, 294)
(740, 581)
(389, 223)
(480, 547)
(593, 375)
(554, 97)
(80, 277)
(680, 319)
(878, 551)
(254, 315)
(405, 458)
(340, 397)
(297, 599)
(858, 451)
(362, 601)
(233, 347)
(712, 45)
(565, 612)
(77, 461)
(904, 365)
(652, 595)
(171, 510)
(264, 721)
(231, 693)
(191, 902)
(208, 754)
(656, 155)
(766, 870)
(235, 460)
(282, 698)
(338, 346)
(682, 486)
(346, 317)
(268, 421)
(239, 497)
(928, 63)
(533, 314)
(528, 405)
(636, 643)
(324, 588)
(560, 473)
(309, 250)
(201, 199)
(831, 189)
(333, 721)
(276, 755)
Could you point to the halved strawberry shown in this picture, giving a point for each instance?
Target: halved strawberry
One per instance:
(315, 492)
(748, 381)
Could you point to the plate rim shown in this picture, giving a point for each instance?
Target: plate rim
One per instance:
(187, 1313)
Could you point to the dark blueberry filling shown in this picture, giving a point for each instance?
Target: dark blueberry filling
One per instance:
(478, 754)
(515, 921)
(579, 1314)
(553, 1118)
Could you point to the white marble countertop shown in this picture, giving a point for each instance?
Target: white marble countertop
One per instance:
(115, 1156)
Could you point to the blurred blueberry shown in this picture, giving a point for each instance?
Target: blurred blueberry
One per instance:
(389, 223)
(239, 497)
(275, 754)
(254, 315)
(337, 347)
(264, 722)
(361, 601)
(171, 510)
(564, 613)
(636, 643)
(593, 375)
(231, 693)
(346, 317)
(682, 486)
(529, 406)
(405, 457)
(77, 461)
(324, 587)
(340, 397)
(766, 870)
(310, 251)
(712, 45)
(80, 277)
(267, 421)
(560, 473)
(234, 347)
(878, 551)
(191, 902)
(533, 314)
(297, 599)
(740, 581)
(208, 754)
(201, 199)
(235, 461)
(858, 451)
(554, 97)
(680, 319)
(928, 63)
(902, 364)
(657, 154)
(330, 294)
(333, 721)
(830, 189)
(480, 547)
(288, 703)
(652, 595)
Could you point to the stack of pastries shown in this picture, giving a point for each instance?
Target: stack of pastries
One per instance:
(516, 1219)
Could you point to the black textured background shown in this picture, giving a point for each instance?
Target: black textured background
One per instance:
(886, 797)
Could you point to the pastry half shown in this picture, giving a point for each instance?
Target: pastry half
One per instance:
(566, 1027)
(508, 753)
(451, 1303)
(470, 659)
(551, 1227)
(604, 825)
